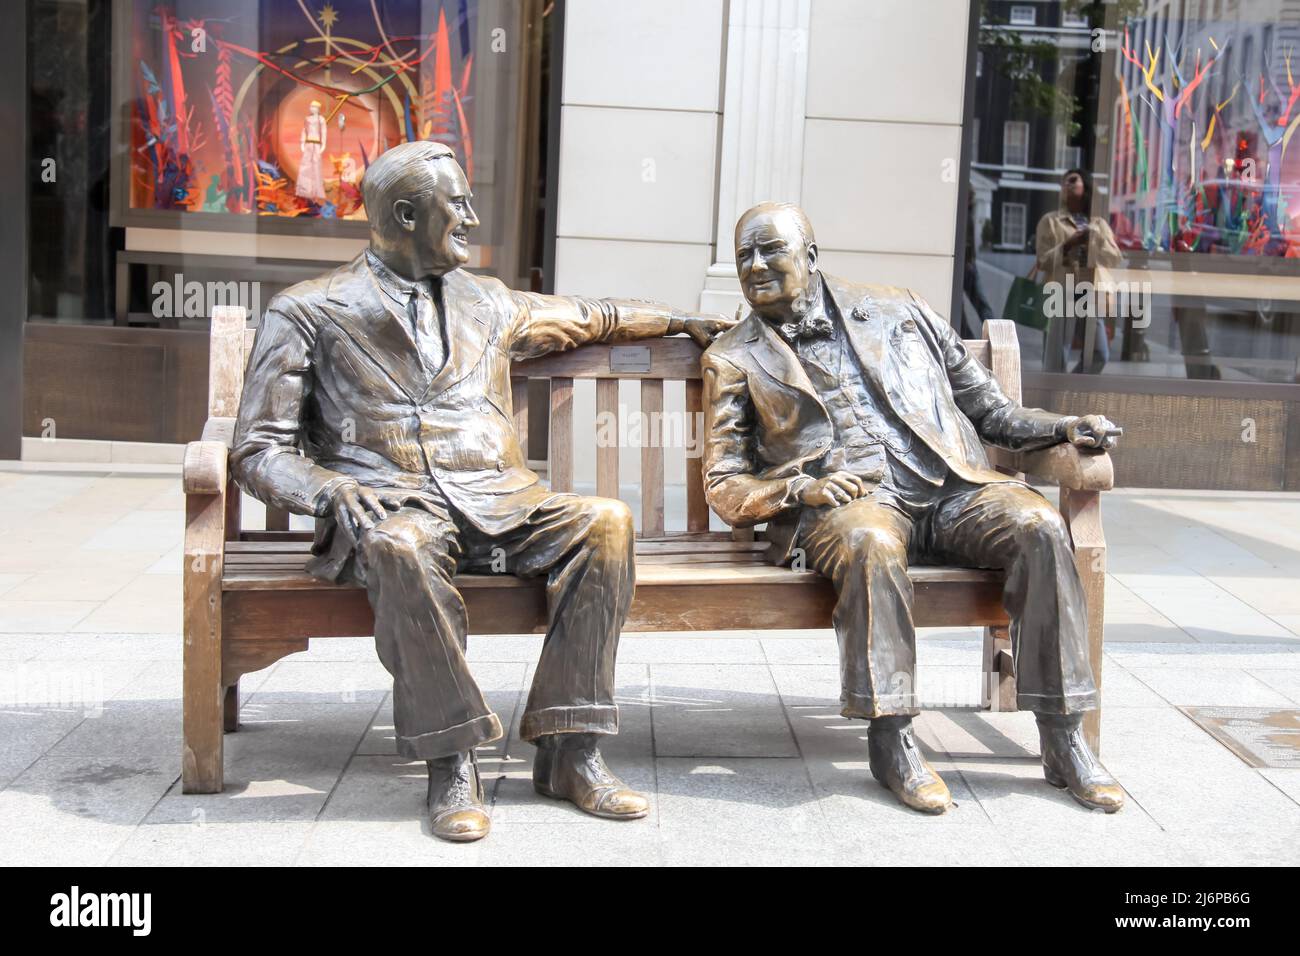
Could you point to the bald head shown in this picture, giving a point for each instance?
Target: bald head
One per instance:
(787, 212)
(776, 259)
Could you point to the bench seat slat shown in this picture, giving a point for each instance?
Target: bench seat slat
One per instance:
(287, 604)
(672, 544)
(243, 577)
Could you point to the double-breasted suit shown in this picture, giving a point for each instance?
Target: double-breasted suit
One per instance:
(342, 386)
(891, 394)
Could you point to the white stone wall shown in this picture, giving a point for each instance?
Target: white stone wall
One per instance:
(638, 147)
(883, 138)
(638, 160)
(651, 163)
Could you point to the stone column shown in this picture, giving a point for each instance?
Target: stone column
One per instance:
(762, 126)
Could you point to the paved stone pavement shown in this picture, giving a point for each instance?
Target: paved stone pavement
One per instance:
(736, 737)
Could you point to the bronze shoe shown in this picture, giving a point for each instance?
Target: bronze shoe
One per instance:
(896, 762)
(570, 767)
(1069, 763)
(456, 799)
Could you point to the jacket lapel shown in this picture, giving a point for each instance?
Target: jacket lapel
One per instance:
(466, 314)
(864, 323)
(371, 319)
(777, 358)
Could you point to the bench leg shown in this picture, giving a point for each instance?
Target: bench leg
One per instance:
(230, 708)
(1082, 512)
(999, 689)
(201, 759)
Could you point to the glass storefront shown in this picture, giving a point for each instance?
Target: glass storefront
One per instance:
(194, 153)
(1134, 188)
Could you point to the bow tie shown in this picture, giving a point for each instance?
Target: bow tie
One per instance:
(809, 327)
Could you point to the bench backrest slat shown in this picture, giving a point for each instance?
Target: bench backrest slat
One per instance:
(652, 362)
(226, 361)
(606, 450)
(560, 446)
(652, 457)
(519, 405)
(697, 509)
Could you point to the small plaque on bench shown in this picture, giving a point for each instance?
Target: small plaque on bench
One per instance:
(629, 358)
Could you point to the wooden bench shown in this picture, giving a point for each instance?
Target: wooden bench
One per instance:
(249, 602)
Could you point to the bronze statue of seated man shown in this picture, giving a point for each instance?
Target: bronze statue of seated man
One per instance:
(377, 399)
(851, 419)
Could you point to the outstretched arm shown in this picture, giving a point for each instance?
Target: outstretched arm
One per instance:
(998, 419)
(556, 323)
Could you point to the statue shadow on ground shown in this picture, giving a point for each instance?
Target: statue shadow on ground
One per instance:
(298, 758)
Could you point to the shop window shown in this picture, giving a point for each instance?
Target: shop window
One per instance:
(1193, 210)
(209, 152)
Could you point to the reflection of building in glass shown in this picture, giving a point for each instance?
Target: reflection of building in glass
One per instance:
(1182, 114)
(1203, 114)
(1026, 140)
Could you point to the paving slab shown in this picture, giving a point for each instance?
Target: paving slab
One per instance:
(720, 710)
(726, 811)
(76, 811)
(1204, 686)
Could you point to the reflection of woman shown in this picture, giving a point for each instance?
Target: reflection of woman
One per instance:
(311, 185)
(1069, 242)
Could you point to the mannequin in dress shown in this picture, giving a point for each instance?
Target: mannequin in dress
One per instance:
(311, 185)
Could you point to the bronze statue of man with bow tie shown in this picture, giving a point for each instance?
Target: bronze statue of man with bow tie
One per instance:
(377, 399)
(851, 419)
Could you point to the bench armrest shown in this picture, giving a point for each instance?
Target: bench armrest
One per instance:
(205, 468)
(1070, 467)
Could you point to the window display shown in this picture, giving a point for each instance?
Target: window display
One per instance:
(278, 112)
(1138, 216)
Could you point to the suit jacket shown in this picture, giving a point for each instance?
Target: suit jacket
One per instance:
(336, 390)
(764, 423)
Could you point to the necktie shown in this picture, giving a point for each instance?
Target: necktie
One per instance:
(424, 323)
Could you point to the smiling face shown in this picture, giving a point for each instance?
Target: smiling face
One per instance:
(418, 200)
(775, 262)
(437, 223)
(444, 219)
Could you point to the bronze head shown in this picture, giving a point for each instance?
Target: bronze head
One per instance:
(418, 201)
(776, 260)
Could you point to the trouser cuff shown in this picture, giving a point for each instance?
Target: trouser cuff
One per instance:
(1059, 703)
(453, 740)
(885, 705)
(592, 719)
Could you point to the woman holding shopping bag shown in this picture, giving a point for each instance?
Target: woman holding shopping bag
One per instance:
(1072, 243)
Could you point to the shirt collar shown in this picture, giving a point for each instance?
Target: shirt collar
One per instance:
(396, 287)
(828, 306)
